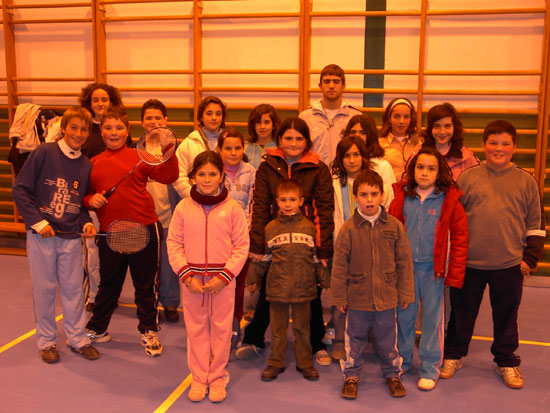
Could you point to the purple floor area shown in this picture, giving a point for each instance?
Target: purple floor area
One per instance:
(125, 380)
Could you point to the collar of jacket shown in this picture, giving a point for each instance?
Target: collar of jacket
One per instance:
(291, 218)
(359, 220)
(207, 199)
(308, 157)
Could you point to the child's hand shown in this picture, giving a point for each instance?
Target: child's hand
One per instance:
(404, 306)
(195, 286)
(47, 232)
(98, 200)
(324, 262)
(252, 287)
(342, 308)
(255, 257)
(89, 231)
(214, 286)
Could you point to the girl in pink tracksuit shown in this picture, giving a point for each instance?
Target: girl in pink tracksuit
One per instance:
(207, 247)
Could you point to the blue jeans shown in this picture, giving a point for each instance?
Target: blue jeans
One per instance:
(429, 289)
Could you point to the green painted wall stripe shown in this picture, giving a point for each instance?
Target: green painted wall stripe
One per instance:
(375, 50)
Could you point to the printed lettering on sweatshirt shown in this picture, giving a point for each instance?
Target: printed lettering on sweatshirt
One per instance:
(65, 199)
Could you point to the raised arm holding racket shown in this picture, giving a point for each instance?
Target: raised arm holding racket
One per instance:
(118, 193)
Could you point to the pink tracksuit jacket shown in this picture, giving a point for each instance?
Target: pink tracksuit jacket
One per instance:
(206, 245)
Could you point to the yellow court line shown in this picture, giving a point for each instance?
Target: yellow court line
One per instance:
(533, 343)
(176, 394)
(24, 337)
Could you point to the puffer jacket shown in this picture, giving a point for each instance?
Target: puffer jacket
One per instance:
(318, 206)
(450, 238)
(294, 272)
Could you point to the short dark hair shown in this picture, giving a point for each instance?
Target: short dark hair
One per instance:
(333, 70)
(231, 133)
(497, 127)
(153, 104)
(439, 112)
(85, 98)
(255, 117)
(116, 112)
(203, 158)
(204, 103)
(368, 124)
(297, 124)
(289, 185)
(368, 177)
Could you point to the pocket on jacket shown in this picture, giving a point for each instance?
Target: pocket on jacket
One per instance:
(390, 277)
(357, 288)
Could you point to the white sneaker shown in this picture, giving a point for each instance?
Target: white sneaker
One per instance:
(150, 343)
(247, 350)
(323, 358)
(512, 376)
(98, 338)
(197, 392)
(449, 368)
(426, 384)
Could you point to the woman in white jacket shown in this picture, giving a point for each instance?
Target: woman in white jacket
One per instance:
(211, 117)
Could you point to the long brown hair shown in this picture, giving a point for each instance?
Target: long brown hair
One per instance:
(337, 165)
(444, 180)
(439, 112)
(386, 124)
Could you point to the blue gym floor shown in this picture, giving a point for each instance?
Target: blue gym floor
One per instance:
(125, 380)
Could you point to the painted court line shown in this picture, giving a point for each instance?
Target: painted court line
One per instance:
(24, 337)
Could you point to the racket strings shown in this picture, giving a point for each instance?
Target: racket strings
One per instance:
(127, 237)
(156, 145)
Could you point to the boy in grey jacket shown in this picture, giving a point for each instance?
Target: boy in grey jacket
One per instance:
(292, 280)
(372, 273)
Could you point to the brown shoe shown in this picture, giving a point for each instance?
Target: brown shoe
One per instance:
(89, 307)
(309, 373)
(171, 314)
(87, 351)
(49, 354)
(271, 372)
(349, 391)
(395, 387)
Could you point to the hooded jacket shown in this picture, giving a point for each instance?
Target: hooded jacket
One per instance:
(318, 206)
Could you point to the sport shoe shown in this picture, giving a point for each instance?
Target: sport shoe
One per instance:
(197, 392)
(247, 350)
(512, 376)
(98, 337)
(349, 391)
(150, 343)
(323, 358)
(49, 354)
(87, 351)
(217, 392)
(426, 384)
(395, 387)
(449, 368)
(171, 313)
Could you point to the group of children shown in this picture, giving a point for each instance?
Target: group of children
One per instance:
(386, 228)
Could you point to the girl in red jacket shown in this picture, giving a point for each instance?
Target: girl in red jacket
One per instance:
(428, 204)
(207, 247)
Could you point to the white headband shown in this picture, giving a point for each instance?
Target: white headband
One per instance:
(400, 101)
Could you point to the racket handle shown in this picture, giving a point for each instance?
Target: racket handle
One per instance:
(109, 192)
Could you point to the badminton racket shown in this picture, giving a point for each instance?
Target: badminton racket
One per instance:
(155, 147)
(123, 236)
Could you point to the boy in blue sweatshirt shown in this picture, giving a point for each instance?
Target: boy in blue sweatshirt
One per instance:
(48, 192)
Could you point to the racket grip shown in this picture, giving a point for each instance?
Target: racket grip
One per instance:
(109, 192)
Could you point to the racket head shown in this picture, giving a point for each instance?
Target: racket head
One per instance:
(156, 145)
(127, 237)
